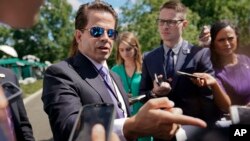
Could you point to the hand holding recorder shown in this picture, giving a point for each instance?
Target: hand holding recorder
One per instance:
(201, 79)
(181, 73)
(161, 88)
(206, 80)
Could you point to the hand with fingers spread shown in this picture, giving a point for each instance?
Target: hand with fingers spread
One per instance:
(157, 118)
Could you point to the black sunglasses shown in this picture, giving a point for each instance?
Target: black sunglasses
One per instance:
(97, 31)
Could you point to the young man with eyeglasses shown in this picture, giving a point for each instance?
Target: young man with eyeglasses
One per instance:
(84, 78)
(176, 54)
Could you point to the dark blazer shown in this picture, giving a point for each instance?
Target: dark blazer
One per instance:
(68, 86)
(23, 129)
(193, 100)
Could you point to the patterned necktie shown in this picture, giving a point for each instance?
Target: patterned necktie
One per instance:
(111, 89)
(170, 65)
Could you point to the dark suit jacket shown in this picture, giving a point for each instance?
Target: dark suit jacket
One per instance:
(68, 86)
(23, 129)
(192, 99)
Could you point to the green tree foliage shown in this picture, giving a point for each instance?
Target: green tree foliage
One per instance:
(236, 11)
(49, 39)
(140, 18)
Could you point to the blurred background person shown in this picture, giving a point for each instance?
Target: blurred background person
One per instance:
(128, 67)
(18, 14)
(18, 123)
(3, 115)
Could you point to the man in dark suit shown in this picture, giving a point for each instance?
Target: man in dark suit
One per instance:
(21, 125)
(176, 54)
(84, 78)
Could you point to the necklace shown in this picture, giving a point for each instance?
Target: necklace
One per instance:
(129, 82)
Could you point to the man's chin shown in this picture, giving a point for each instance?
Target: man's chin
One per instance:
(102, 59)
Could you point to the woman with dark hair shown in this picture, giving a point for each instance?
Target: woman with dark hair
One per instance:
(232, 70)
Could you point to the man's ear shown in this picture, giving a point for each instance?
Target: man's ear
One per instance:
(185, 23)
(78, 35)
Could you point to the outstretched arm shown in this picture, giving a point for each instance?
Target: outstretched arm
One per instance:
(159, 119)
(220, 96)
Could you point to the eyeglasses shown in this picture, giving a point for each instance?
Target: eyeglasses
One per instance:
(170, 23)
(97, 32)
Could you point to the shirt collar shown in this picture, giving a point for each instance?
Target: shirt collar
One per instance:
(175, 49)
(98, 65)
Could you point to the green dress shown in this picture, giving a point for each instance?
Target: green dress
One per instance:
(131, 85)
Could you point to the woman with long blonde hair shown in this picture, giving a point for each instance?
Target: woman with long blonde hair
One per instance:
(128, 65)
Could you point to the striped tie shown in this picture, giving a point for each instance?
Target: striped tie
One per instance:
(170, 65)
(108, 83)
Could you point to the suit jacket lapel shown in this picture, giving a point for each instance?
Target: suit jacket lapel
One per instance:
(156, 62)
(88, 73)
(121, 89)
(13, 108)
(184, 51)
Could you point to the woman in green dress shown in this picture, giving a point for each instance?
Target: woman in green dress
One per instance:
(128, 67)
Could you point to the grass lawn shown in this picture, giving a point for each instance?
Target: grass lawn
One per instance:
(31, 88)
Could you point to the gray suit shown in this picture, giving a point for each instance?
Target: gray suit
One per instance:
(68, 86)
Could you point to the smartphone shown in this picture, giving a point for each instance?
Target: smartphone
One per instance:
(11, 91)
(187, 74)
(240, 114)
(135, 99)
(88, 116)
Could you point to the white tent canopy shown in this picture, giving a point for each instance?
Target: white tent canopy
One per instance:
(8, 50)
(31, 58)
